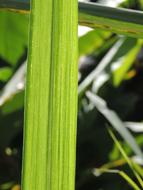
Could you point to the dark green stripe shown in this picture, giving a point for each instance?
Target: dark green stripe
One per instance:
(15, 4)
(120, 14)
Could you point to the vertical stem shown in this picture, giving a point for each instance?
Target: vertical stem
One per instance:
(51, 97)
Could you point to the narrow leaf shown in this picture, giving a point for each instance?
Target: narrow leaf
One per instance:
(108, 18)
(129, 180)
(13, 36)
(97, 16)
(101, 170)
(130, 163)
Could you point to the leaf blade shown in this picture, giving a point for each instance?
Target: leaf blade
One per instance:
(51, 97)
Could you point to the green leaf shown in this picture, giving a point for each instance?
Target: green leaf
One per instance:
(118, 20)
(97, 16)
(13, 36)
(129, 180)
(124, 59)
(5, 73)
(51, 97)
(141, 3)
(92, 41)
(115, 63)
(14, 104)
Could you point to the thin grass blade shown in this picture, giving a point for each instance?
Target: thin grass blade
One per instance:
(131, 165)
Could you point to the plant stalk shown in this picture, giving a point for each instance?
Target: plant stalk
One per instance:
(51, 97)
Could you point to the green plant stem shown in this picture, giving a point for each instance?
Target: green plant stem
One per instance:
(51, 97)
(118, 20)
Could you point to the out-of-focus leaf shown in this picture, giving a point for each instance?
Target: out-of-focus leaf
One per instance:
(117, 61)
(124, 59)
(83, 30)
(115, 121)
(104, 63)
(5, 73)
(11, 107)
(13, 35)
(91, 41)
(135, 126)
(122, 21)
(129, 180)
(115, 153)
(99, 82)
(111, 3)
(118, 3)
(141, 3)
(14, 104)
(6, 186)
(15, 85)
(138, 168)
(128, 160)
(16, 187)
(101, 170)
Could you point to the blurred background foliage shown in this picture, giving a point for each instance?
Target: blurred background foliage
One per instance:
(110, 96)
